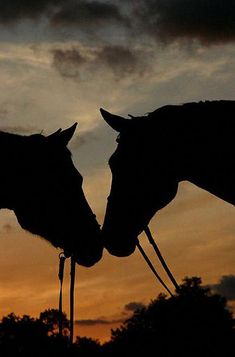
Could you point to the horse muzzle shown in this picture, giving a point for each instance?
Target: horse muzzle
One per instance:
(119, 244)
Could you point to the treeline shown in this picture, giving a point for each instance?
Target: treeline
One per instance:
(195, 322)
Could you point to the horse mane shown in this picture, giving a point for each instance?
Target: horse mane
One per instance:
(14, 139)
(190, 115)
(202, 105)
(14, 136)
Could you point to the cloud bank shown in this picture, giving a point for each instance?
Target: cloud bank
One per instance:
(130, 307)
(225, 287)
(118, 60)
(115, 30)
(209, 21)
(133, 306)
(93, 322)
(61, 13)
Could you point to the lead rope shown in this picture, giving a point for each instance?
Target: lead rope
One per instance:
(61, 278)
(152, 267)
(160, 257)
(162, 260)
(62, 259)
(72, 282)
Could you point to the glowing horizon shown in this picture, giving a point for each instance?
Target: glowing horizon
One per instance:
(59, 67)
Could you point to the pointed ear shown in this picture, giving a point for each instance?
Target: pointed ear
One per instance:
(66, 135)
(63, 136)
(116, 122)
(55, 134)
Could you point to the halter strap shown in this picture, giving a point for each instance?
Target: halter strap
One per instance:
(62, 258)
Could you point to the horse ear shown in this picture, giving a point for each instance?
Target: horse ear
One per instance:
(63, 136)
(55, 134)
(116, 122)
(66, 135)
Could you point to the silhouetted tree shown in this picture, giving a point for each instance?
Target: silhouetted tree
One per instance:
(57, 344)
(194, 322)
(86, 346)
(27, 336)
(51, 317)
(22, 336)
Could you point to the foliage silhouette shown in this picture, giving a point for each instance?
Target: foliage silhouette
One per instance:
(27, 336)
(85, 346)
(51, 317)
(192, 142)
(23, 336)
(42, 186)
(194, 322)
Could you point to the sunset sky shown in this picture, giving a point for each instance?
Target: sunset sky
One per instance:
(60, 61)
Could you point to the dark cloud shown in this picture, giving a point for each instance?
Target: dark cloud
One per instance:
(130, 307)
(133, 306)
(81, 13)
(225, 287)
(68, 62)
(85, 13)
(209, 21)
(92, 322)
(16, 10)
(120, 60)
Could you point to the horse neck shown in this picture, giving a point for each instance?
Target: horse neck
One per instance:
(206, 156)
(194, 142)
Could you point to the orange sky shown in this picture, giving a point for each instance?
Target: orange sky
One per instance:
(53, 76)
(195, 234)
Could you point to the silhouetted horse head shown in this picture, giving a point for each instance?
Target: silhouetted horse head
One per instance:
(40, 183)
(189, 142)
(137, 190)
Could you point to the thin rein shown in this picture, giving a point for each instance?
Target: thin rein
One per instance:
(161, 259)
(62, 258)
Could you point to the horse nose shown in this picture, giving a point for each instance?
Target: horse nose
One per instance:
(119, 244)
(89, 255)
(90, 259)
(120, 250)
(87, 262)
